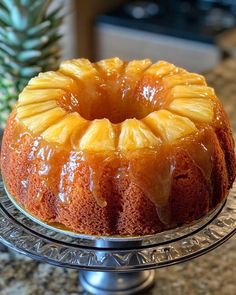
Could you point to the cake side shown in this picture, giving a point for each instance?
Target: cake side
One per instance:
(128, 210)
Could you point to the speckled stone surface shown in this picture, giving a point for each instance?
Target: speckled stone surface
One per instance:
(211, 274)
(223, 79)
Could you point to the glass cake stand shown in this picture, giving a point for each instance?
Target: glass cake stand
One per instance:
(114, 265)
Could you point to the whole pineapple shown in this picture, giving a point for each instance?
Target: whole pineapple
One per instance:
(29, 44)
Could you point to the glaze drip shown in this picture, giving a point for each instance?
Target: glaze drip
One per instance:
(152, 173)
(97, 164)
(201, 151)
(68, 176)
(79, 163)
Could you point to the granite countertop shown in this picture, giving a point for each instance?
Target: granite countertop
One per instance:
(211, 274)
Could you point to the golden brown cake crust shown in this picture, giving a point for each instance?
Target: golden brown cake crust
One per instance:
(128, 210)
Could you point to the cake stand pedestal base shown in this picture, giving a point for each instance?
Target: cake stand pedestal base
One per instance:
(111, 283)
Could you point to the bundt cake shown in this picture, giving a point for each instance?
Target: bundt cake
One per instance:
(118, 148)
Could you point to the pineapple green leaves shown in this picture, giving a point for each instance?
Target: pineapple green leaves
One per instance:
(29, 44)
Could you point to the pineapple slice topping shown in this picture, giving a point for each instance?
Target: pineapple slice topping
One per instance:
(61, 131)
(169, 126)
(100, 136)
(38, 123)
(35, 108)
(192, 91)
(161, 69)
(189, 99)
(30, 96)
(135, 135)
(199, 109)
(184, 79)
(110, 66)
(78, 68)
(133, 73)
(52, 80)
(136, 67)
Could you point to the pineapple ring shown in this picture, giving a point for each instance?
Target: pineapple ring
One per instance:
(47, 105)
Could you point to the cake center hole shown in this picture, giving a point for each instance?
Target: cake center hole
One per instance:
(112, 104)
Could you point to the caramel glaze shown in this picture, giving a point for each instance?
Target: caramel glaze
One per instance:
(153, 171)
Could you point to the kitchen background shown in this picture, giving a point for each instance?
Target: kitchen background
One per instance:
(199, 35)
(199, 32)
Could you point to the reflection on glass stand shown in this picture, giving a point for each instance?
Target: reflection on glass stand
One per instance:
(113, 265)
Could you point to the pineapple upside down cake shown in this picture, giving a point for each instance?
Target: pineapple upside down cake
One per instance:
(118, 148)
